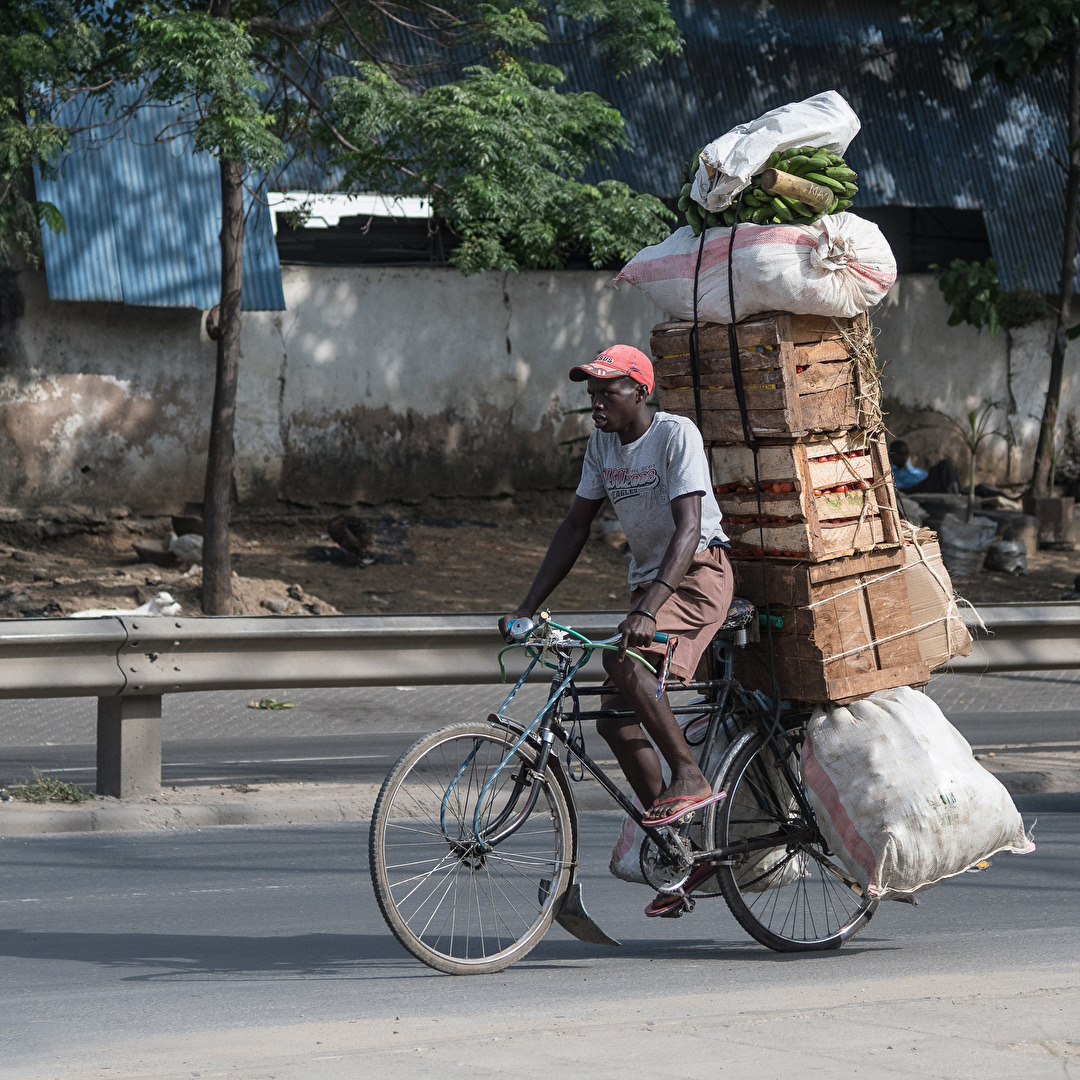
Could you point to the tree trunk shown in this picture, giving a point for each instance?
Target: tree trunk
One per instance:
(1040, 474)
(217, 593)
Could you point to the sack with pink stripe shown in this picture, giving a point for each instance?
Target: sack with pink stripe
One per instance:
(900, 798)
(840, 265)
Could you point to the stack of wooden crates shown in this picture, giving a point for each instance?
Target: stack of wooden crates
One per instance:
(865, 601)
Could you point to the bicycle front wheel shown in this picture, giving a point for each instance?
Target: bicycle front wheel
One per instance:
(786, 889)
(465, 903)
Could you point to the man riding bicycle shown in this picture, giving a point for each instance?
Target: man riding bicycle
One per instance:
(653, 469)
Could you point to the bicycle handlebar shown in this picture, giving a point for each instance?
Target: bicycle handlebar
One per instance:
(520, 629)
(658, 638)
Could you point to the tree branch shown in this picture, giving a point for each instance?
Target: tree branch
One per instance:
(320, 112)
(286, 30)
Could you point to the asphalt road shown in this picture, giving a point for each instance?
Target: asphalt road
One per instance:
(369, 755)
(259, 952)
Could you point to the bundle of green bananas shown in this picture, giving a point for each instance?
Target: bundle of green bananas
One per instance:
(761, 207)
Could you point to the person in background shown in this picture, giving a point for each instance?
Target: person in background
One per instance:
(911, 480)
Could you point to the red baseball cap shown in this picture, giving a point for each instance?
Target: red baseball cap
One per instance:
(615, 362)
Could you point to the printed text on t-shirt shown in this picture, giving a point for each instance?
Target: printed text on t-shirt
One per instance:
(624, 483)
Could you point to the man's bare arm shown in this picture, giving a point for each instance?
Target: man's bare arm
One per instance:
(566, 545)
(686, 511)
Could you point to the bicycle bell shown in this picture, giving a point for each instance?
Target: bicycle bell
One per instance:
(520, 629)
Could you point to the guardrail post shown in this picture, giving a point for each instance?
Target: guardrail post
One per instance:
(129, 745)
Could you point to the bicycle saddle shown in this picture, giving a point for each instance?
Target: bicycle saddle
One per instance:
(740, 614)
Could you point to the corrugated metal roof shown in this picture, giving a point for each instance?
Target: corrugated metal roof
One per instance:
(142, 222)
(930, 136)
(143, 219)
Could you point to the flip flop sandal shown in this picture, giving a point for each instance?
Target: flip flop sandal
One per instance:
(672, 905)
(687, 812)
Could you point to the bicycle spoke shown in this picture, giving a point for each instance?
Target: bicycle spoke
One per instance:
(454, 902)
(771, 890)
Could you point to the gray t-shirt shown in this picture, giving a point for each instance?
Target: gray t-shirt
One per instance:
(642, 477)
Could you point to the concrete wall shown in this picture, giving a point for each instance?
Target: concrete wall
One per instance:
(934, 371)
(100, 404)
(383, 384)
(415, 382)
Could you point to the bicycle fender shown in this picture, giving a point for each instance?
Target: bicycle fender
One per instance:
(572, 916)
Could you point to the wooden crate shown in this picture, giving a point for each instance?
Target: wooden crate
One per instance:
(847, 627)
(797, 372)
(822, 496)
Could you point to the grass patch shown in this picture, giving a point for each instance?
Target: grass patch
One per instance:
(48, 789)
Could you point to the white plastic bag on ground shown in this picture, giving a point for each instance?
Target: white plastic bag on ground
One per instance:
(825, 120)
(899, 797)
(841, 265)
(162, 604)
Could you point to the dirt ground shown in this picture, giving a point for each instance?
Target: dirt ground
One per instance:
(436, 557)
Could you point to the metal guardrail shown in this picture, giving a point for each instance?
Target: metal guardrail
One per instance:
(126, 657)
(123, 657)
(130, 663)
(1022, 637)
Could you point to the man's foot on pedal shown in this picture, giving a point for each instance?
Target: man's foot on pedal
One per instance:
(679, 808)
(670, 905)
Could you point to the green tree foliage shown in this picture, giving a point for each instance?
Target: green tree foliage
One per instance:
(1009, 38)
(455, 102)
(498, 152)
(41, 44)
(972, 290)
(206, 65)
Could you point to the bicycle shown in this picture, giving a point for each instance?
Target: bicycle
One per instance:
(474, 835)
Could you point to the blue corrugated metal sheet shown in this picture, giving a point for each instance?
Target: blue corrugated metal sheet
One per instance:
(142, 222)
(930, 136)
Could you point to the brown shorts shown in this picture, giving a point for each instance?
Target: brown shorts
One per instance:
(694, 612)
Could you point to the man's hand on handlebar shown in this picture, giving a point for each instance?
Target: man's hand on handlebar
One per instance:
(636, 631)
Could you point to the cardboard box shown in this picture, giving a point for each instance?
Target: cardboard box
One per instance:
(798, 372)
(818, 497)
(940, 629)
(847, 627)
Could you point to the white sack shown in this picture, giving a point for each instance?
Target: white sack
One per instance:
(825, 120)
(899, 796)
(840, 265)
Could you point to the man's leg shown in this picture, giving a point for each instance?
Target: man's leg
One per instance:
(633, 751)
(637, 691)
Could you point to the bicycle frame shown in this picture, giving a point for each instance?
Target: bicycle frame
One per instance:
(547, 727)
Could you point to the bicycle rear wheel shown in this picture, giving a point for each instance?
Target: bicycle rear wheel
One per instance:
(462, 903)
(793, 896)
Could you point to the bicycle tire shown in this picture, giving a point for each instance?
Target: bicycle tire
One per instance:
(455, 907)
(797, 896)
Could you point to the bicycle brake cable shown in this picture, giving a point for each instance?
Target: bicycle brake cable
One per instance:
(575, 742)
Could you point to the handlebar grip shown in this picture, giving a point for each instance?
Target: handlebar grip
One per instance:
(661, 639)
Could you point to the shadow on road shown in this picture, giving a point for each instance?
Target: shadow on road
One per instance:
(170, 957)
